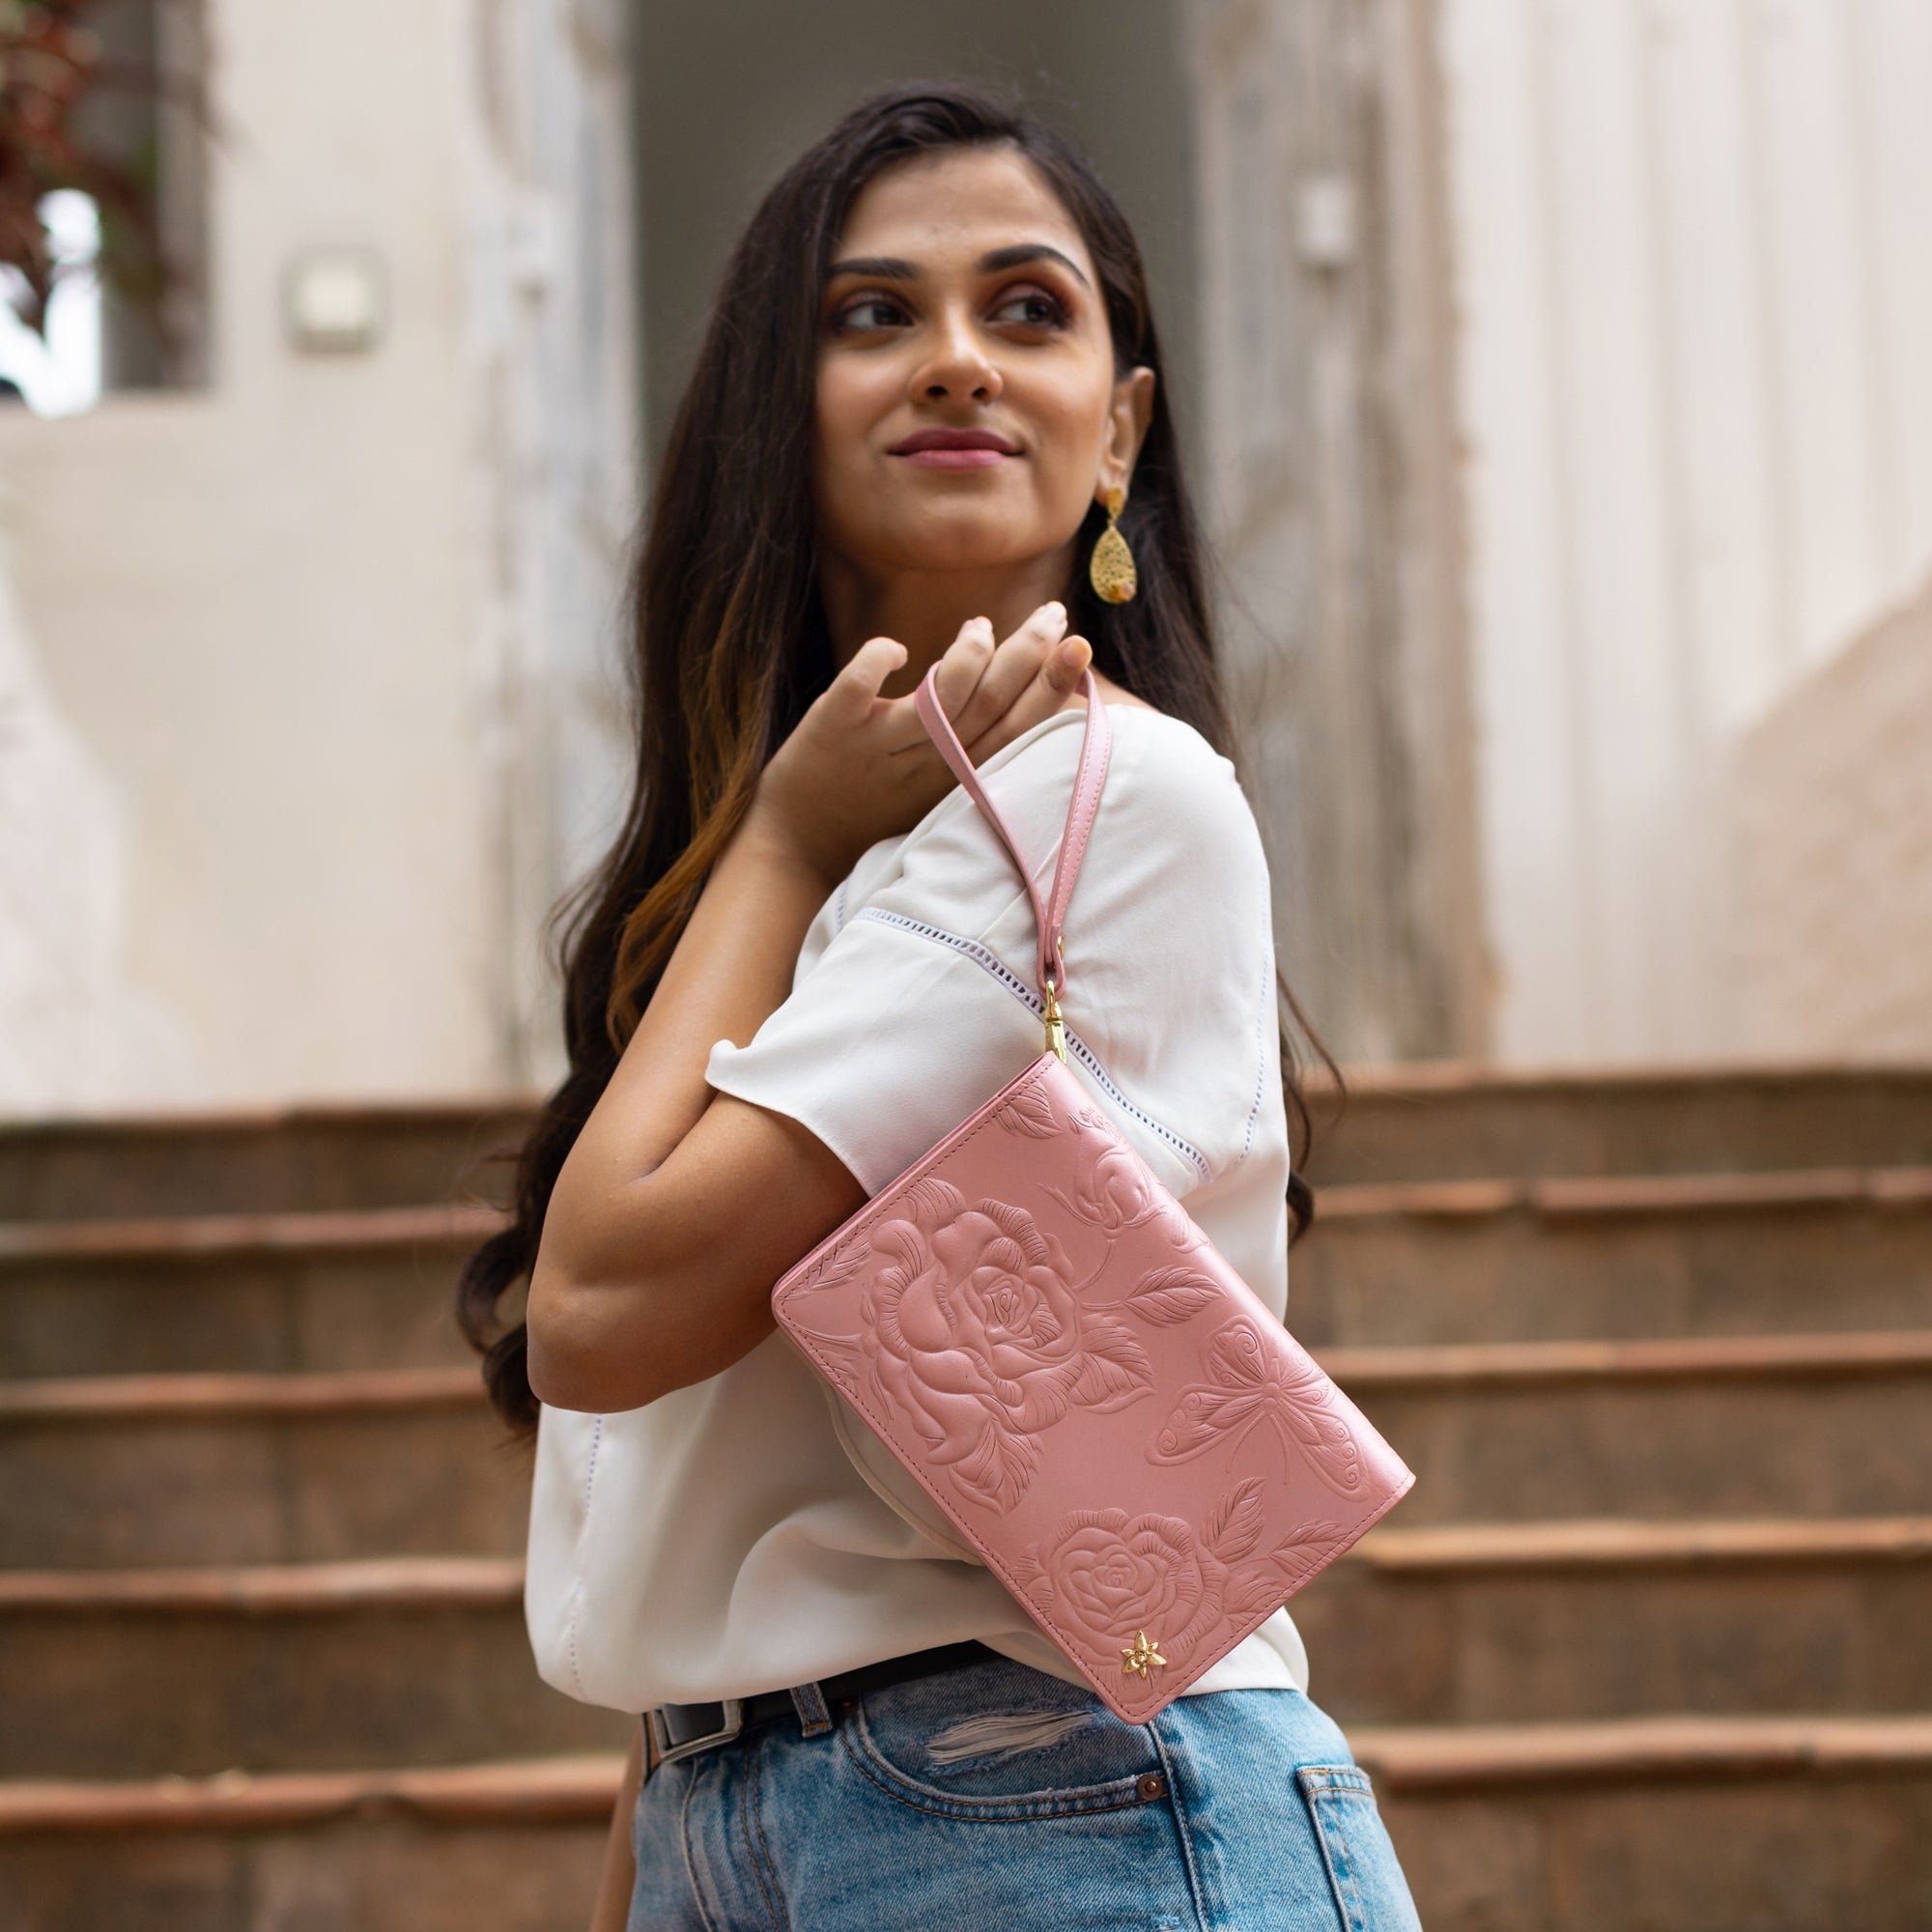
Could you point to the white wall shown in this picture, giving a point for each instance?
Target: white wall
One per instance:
(77, 1031)
(301, 621)
(1831, 844)
(325, 648)
(1695, 296)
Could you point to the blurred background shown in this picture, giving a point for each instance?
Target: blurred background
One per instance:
(1557, 376)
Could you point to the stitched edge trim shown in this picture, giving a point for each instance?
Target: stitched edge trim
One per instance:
(684, 1836)
(1171, 1753)
(751, 1817)
(1261, 1054)
(1086, 812)
(1326, 1793)
(984, 956)
(591, 1462)
(576, 1595)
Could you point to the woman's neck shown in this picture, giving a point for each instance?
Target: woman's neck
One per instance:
(924, 609)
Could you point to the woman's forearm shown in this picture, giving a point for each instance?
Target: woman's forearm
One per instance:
(731, 970)
(612, 1911)
(617, 1253)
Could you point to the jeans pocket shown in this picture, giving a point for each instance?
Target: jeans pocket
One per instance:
(1000, 1741)
(1371, 1893)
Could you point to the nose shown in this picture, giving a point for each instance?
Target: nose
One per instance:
(957, 365)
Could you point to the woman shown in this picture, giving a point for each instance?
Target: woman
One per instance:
(931, 369)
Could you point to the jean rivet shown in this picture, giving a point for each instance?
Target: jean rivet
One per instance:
(1152, 1785)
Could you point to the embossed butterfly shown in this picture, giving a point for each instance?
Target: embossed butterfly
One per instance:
(1249, 1387)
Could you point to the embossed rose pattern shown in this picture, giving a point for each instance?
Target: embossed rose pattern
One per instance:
(977, 1334)
(1112, 1190)
(1113, 1577)
(965, 1328)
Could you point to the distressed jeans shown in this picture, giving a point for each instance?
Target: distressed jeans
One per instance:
(998, 1799)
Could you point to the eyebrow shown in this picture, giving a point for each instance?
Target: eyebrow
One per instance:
(895, 268)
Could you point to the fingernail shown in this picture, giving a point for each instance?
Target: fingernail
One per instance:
(1076, 652)
(1053, 610)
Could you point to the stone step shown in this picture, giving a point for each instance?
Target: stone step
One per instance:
(301, 1158)
(335, 1666)
(1413, 1121)
(262, 1468)
(1442, 1263)
(299, 1667)
(1622, 1257)
(245, 1292)
(1520, 1623)
(247, 1469)
(489, 1847)
(1724, 1425)
(1455, 1122)
(1686, 1824)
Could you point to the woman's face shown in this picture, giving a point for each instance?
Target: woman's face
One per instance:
(968, 411)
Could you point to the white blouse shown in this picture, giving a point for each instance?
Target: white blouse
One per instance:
(751, 1532)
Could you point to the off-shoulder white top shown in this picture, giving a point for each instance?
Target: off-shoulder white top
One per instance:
(750, 1532)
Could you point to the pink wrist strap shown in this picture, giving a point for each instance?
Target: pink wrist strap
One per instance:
(1096, 746)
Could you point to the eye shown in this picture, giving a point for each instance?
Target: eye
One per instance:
(869, 311)
(1031, 308)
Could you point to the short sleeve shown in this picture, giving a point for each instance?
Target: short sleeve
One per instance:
(920, 1005)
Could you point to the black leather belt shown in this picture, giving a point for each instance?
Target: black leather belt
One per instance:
(683, 1730)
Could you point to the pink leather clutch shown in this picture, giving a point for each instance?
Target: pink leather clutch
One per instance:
(1060, 1357)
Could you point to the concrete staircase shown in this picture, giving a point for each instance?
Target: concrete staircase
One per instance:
(262, 1658)
(1650, 1646)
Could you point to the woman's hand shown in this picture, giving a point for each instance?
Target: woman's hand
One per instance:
(678, 1207)
(860, 767)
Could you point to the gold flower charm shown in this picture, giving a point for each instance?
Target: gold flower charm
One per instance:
(1142, 1655)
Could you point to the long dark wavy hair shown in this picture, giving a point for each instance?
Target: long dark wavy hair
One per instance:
(729, 638)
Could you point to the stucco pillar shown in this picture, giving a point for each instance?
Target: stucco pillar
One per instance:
(1333, 499)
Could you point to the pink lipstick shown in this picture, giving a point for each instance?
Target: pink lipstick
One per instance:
(955, 448)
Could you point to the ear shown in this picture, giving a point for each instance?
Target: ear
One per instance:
(1128, 419)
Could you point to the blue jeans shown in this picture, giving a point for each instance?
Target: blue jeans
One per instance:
(998, 1799)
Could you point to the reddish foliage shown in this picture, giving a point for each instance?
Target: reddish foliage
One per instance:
(51, 62)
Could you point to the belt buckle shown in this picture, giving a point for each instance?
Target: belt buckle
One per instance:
(669, 1752)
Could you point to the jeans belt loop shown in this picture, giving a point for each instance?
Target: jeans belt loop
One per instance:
(814, 1715)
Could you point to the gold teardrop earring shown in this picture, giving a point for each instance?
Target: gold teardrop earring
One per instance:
(1111, 569)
